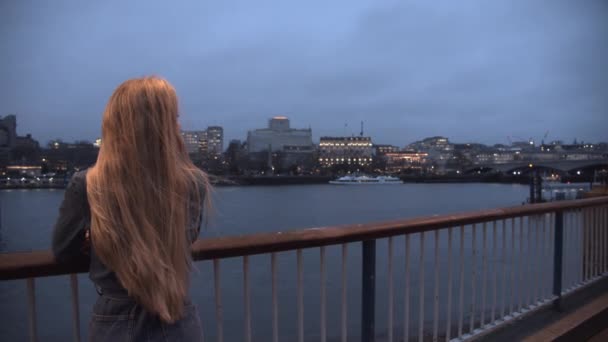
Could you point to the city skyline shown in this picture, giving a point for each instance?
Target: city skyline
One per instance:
(375, 139)
(472, 70)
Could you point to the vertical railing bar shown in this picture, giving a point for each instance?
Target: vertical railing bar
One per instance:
(558, 227)
(590, 274)
(596, 240)
(473, 277)
(275, 301)
(520, 265)
(421, 311)
(512, 299)
(591, 243)
(218, 301)
(461, 287)
(504, 269)
(591, 238)
(545, 257)
(538, 262)
(483, 274)
(449, 304)
(75, 306)
(322, 285)
(300, 290)
(529, 263)
(368, 289)
(580, 243)
(344, 332)
(436, 294)
(247, 298)
(31, 312)
(603, 226)
(587, 248)
(494, 273)
(605, 239)
(583, 219)
(406, 300)
(390, 289)
(566, 251)
(600, 242)
(552, 235)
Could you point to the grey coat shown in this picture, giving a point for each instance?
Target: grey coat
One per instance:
(116, 316)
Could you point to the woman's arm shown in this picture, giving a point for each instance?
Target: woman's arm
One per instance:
(70, 229)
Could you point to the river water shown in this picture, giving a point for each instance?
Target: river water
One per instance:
(27, 217)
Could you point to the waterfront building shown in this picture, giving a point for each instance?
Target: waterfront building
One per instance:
(66, 157)
(345, 151)
(194, 141)
(204, 145)
(402, 161)
(384, 149)
(15, 148)
(214, 144)
(280, 146)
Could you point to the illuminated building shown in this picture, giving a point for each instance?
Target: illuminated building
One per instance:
(345, 151)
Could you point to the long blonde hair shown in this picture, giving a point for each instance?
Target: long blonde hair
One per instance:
(140, 191)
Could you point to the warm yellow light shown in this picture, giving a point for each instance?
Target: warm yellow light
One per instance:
(530, 165)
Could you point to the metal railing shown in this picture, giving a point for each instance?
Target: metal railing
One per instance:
(486, 268)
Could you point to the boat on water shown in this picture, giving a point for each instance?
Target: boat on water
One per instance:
(361, 180)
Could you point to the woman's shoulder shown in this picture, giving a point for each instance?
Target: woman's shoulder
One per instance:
(78, 180)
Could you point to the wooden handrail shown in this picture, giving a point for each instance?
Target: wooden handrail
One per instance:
(42, 263)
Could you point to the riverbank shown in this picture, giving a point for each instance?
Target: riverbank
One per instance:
(307, 180)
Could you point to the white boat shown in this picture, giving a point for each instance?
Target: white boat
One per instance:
(360, 180)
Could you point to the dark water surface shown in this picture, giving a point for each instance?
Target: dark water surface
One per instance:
(27, 217)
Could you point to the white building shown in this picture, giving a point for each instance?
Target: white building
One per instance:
(290, 145)
(279, 137)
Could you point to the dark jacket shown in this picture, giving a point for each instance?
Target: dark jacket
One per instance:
(116, 316)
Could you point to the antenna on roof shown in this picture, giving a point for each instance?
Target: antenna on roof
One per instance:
(361, 128)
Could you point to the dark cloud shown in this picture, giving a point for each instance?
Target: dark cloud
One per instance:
(471, 70)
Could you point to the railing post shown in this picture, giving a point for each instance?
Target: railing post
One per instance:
(557, 259)
(368, 290)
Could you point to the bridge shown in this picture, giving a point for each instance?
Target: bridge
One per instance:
(557, 166)
(453, 277)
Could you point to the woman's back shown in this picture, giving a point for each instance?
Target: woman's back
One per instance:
(141, 205)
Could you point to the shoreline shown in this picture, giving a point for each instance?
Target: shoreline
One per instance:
(310, 180)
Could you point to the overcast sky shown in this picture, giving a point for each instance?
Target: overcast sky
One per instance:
(470, 70)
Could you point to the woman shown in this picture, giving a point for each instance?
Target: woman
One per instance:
(142, 204)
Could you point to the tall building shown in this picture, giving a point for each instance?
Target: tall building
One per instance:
(292, 146)
(215, 140)
(8, 131)
(194, 141)
(345, 151)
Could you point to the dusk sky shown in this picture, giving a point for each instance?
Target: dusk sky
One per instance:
(470, 70)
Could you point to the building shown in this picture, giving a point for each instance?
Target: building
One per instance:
(8, 131)
(345, 151)
(280, 146)
(66, 157)
(214, 140)
(14, 149)
(195, 141)
(205, 145)
(402, 161)
(384, 149)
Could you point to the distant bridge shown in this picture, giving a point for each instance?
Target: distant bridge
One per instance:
(558, 166)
